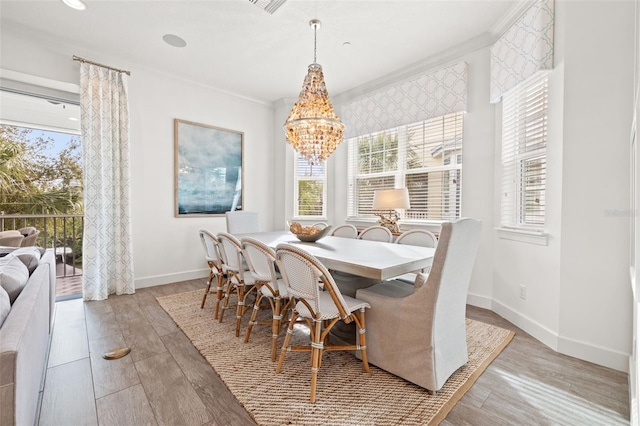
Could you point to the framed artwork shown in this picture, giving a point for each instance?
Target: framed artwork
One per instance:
(208, 169)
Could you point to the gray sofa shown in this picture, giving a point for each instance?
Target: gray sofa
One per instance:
(24, 342)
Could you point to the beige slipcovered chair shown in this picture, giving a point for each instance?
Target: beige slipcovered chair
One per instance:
(261, 260)
(12, 238)
(242, 222)
(239, 279)
(376, 233)
(321, 310)
(418, 332)
(345, 231)
(213, 257)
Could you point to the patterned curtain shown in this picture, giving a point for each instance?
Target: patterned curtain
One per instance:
(106, 249)
(526, 48)
(423, 97)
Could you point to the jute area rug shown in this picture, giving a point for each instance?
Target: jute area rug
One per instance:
(345, 394)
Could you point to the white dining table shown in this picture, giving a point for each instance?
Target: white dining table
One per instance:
(370, 259)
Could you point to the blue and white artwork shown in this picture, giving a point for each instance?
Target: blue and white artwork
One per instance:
(208, 169)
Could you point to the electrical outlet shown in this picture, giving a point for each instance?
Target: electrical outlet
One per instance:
(523, 292)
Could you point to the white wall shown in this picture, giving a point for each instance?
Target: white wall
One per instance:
(578, 297)
(595, 296)
(165, 249)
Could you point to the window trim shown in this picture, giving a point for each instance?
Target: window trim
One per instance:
(296, 180)
(529, 99)
(451, 120)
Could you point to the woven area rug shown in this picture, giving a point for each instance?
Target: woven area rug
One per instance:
(345, 394)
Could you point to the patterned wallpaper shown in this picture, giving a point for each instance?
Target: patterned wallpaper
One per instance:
(418, 99)
(524, 49)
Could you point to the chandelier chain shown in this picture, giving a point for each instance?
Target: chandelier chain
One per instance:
(315, 42)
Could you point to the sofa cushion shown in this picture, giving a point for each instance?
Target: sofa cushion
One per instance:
(13, 276)
(5, 305)
(30, 256)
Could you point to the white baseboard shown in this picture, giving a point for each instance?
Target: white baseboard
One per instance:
(479, 301)
(171, 278)
(564, 345)
(594, 353)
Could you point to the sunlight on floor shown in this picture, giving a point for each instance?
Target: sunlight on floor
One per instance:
(559, 405)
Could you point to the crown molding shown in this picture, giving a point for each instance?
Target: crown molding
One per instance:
(510, 17)
(433, 63)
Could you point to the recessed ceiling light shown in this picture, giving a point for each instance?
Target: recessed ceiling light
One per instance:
(346, 44)
(75, 4)
(174, 40)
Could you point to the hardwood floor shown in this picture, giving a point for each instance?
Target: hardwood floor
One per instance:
(165, 381)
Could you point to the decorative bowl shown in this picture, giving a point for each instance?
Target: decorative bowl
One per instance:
(303, 234)
(312, 238)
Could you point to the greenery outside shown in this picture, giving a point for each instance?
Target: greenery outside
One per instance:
(33, 182)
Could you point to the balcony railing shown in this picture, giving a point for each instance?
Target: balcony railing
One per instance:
(61, 232)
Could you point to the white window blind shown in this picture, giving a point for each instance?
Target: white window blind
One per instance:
(524, 154)
(424, 157)
(310, 188)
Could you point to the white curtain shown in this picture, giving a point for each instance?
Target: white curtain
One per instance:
(106, 249)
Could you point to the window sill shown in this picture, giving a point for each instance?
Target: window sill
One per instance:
(540, 238)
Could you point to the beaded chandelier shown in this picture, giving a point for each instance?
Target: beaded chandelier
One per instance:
(313, 128)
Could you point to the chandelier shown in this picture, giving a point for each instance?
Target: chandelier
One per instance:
(313, 128)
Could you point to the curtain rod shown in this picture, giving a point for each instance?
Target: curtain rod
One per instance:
(77, 58)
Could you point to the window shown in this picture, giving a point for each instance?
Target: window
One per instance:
(310, 188)
(424, 157)
(524, 154)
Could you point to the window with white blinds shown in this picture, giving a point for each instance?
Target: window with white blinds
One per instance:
(524, 154)
(310, 188)
(424, 157)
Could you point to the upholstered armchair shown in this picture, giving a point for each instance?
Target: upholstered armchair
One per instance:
(418, 332)
(30, 235)
(11, 238)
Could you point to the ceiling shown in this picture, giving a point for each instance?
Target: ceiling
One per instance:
(237, 47)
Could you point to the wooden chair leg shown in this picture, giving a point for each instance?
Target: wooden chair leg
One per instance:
(316, 355)
(275, 327)
(362, 340)
(287, 339)
(225, 301)
(219, 294)
(254, 315)
(240, 308)
(206, 291)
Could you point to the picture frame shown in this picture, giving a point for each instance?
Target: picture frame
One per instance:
(208, 169)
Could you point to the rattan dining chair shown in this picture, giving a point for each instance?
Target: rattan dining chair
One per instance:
(239, 279)
(345, 231)
(376, 233)
(261, 260)
(320, 308)
(213, 257)
(416, 237)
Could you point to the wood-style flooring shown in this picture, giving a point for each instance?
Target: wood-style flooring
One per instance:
(165, 381)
